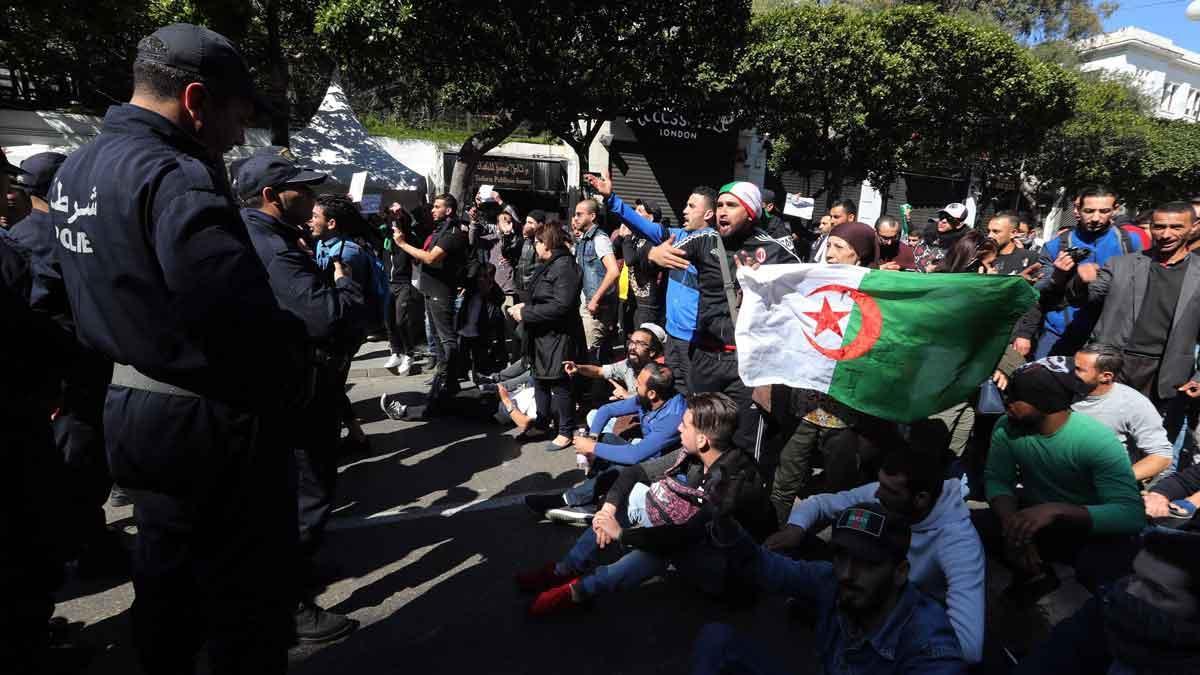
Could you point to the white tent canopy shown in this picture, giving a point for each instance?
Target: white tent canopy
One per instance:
(336, 143)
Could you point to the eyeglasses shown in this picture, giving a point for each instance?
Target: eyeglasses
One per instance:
(637, 343)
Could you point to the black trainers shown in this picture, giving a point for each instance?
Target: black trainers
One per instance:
(315, 625)
(540, 504)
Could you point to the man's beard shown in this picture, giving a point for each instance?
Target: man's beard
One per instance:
(1028, 424)
(644, 402)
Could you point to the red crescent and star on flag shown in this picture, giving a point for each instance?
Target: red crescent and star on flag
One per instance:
(829, 319)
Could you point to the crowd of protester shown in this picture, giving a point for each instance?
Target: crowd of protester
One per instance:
(153, 285)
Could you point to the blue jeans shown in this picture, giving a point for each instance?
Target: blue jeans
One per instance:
(629, 572)
(719, 649)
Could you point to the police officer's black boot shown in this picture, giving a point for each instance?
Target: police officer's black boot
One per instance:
(315, 625)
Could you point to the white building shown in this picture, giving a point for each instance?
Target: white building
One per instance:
(1167, 73)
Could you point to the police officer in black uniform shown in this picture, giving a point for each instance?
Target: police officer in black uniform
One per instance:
(278, 200)
(163, 280)
(31, 523)
(78, 430)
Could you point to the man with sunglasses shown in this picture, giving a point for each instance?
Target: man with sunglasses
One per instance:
(951, 226)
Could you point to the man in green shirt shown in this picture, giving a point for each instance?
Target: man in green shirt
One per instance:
(1060, 486)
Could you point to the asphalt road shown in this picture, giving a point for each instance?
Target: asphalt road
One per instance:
(428, 532)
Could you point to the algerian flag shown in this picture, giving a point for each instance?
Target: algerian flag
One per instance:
(897, 345)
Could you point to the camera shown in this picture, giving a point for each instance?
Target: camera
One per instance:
(1078, 253)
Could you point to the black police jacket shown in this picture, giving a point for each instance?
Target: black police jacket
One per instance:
(333, 312)
(159, 270)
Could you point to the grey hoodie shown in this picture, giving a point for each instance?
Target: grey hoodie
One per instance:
(945, 556)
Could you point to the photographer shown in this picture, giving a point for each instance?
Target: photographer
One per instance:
(399, 267)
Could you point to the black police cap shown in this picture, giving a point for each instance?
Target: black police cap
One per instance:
(38, 172)
(271, 170)
(196, 50)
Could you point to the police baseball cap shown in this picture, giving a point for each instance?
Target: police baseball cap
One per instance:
(37, 172)
(271, 171)
(867, 531)
(208, 55)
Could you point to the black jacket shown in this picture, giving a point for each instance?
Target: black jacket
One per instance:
(491, 322)
(733, 484)
(553, 329)
(334, 313)
(521, 255)
(159, 269)
(714, 325)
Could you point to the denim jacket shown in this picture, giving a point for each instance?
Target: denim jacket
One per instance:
(915, 638)
(592, 266)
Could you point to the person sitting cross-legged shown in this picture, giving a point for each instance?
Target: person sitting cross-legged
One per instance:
(660, 516)
(945, 557)
(659, 410)
(870, 618)
(1077, 503)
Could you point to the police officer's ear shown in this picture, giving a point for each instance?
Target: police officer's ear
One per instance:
(195, 99)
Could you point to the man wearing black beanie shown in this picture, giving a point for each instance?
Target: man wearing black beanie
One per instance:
(1079, 502)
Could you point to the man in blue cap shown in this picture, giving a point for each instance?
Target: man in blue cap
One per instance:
(277, 197)
(163, 280)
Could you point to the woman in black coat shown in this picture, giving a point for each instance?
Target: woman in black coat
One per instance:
(553, 329)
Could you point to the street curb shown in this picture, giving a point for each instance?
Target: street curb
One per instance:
(368, 373)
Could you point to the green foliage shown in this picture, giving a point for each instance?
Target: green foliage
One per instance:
(549, 63)
(1172, 163)
(871, 93)
(69, 51)
(79, 53)
(1035, 20)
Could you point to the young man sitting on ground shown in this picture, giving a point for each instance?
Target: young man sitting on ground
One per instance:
(945, 557)
(1078, 503)
(650, 508)
(869, 617)
(659, 410)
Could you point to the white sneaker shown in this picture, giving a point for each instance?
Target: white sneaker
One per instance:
(405, 366)
(393, 361)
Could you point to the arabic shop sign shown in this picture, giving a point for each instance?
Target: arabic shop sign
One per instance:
(501, 172)
(675, 126)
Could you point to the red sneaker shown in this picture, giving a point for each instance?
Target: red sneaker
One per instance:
(557, 600)
(540, 579)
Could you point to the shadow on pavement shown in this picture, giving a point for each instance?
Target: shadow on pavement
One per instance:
(439, 595)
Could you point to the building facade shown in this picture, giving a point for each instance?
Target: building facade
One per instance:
(1167, 73)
